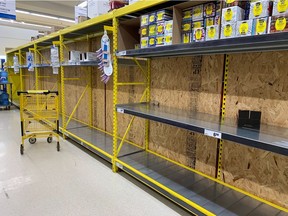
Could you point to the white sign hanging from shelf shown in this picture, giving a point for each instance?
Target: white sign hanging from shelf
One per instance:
(30, 61)
(55, 63)
(8, 9)
(16, 64)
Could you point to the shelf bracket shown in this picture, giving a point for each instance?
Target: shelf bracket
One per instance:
(109, 28)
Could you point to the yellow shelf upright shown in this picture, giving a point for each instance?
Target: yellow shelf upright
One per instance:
(62, 75)
(115, 93)
(20, 58)
(36, 68)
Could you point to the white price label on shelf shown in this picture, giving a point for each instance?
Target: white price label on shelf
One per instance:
(119, 165)
(120, 110)
(122, 53)
(214, 134)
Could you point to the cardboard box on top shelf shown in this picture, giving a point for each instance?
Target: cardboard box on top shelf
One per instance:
(260, 9)
(152, 41)
(96, 8)
(212, 32)
(199, 34)
(168, 39)
(197, 12)
(232, 15)
(80, 14)
(244, 28)
(144, 42)
(186, 37)
(209, 10)
(231, 3)
(186, 26)
(152, 18)
(197, 24)
(228, 30)
(280, 7)
(261, 26)
(160, 30)
(279, 24)
(152, 30)
(164, 15)
(160, 39)
(144, 31)
(187, 14)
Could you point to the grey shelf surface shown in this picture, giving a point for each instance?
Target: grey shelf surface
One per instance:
(258, 43)
(98, 139)
(270, 138)
(212, 196)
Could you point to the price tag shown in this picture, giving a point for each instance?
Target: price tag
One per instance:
(214, 134)
(119, 165)
(120, 110)
(122, 53)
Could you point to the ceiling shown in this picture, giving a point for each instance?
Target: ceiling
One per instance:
(63, 9)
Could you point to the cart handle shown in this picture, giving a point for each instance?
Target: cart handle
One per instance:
(46, 92)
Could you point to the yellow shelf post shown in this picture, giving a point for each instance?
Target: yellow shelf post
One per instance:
(115, 93)
(36, 68)
(62, 83)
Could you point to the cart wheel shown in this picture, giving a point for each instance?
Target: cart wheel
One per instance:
(21, 149)
(32, 140)
(49, 139)
(58, 146)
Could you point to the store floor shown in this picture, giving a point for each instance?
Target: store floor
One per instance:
(67, 183)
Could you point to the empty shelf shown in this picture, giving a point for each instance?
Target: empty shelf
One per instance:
(270, 138)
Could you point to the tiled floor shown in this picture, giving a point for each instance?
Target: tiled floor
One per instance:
(66, 183)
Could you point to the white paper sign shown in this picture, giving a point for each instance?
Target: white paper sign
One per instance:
(16, 64)
(7, 9)
(55, 63)
(214, 134)
(120, 110)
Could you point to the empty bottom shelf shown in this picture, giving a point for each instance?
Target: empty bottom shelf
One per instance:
(212, 196)
(80, 132)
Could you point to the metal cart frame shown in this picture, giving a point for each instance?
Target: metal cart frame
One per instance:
(39, 113)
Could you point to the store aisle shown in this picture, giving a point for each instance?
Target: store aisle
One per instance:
(66, 183)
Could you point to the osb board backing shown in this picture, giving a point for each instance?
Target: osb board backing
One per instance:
(126, 94)
(258, 81)
(190, 83)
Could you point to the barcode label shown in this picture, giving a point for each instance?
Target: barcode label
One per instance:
(214, 134)
(120, 110)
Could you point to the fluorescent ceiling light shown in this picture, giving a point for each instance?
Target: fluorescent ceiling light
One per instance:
(45, 16)
(83, 4)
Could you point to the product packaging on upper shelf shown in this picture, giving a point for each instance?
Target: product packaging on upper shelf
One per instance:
(187, 14)
(261, 26)
(168, 39)
(197, 13)
(144, 20)
(164, 15)
(144, 31)
(74, 57)
(260, 9)
(279, 24)
(197, 24)
(212, 32)
(88, 56)
(186, 37)
(168, 26)
(152, 30)
(228, 30)
(231, 3)
(232, 15)
(152, 41)
(211, 21)
(209, 9)
(244, 28)
(280, 7)
(160, 28)
(186, 26)
(152, 18)
(144, 42)
(199, 35)
(160, 40)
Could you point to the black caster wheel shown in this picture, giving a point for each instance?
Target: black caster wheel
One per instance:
(32, 140)
(49, 139)
(21, 149)
(58, 146)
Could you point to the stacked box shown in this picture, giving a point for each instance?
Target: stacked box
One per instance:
(212, 32)
(160, 30)
(280, 7)
(152, 41)
(160, 39)
(152, 30)
(186, 38)
(244, 28)
(211, 21)
(144, 31)
(197, 24)
(199, 34)
(168, 27)
(197, 12)
(261, 26)
(231, 3)
(152, 18)
(279, 24)
(187, 14)
(144, 42)
(144, 20)
(259, 9)
(209, 10)
(163, 15)
(168, 39)
(186, 31)
(232, 15)
(228, 30)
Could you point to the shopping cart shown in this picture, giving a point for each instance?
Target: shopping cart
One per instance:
(39, 116)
